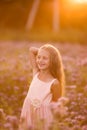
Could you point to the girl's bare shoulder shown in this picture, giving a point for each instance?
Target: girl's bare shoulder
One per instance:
(56, 81)
(56, 90)
(55, 84)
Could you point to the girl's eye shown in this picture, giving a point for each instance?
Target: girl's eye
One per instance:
(45, 58)
(38, 57)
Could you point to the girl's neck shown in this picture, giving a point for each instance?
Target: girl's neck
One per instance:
(45, 75)
(44, 72)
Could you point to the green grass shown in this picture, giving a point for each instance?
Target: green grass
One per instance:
(71, 36)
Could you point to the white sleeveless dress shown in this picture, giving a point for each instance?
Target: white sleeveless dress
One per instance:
(36, 104)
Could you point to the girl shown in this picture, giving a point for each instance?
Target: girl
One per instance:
(46, 87)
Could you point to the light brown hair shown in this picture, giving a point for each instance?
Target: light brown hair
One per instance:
(56, 65)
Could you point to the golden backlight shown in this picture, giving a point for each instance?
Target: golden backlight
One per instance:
(79, 1)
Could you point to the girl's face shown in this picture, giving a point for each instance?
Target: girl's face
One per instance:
(43, 59)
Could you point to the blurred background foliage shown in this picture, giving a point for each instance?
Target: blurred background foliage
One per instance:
(15, 70)
(72, 21)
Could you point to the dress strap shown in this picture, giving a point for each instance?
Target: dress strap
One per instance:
(36, 75)
(53, 81)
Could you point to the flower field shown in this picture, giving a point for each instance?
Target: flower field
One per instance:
(16, 75)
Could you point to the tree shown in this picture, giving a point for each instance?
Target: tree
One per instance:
(56, 17)
(32, 14)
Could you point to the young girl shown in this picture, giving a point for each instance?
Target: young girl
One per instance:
(46, 87)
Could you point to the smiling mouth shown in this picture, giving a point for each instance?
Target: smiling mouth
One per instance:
(41, 64)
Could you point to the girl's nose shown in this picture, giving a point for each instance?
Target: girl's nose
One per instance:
(40, 59)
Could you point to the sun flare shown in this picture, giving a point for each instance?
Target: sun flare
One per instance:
(79, 1)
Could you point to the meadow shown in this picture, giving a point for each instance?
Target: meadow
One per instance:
(16, 75)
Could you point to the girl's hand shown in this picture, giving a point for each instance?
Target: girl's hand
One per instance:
(32, 57)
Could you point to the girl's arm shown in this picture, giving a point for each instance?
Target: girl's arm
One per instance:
(32, 57)
(56, 91)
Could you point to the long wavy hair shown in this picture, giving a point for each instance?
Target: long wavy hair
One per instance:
(56, 65)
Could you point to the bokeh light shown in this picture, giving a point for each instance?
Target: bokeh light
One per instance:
(78, 1)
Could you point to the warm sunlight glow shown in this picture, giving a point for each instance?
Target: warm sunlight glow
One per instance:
(79, 1)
